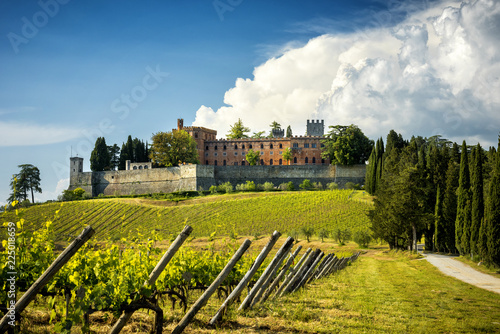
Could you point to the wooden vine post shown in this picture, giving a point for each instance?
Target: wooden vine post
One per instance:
(61, 260)
(246, 279)
(211, 289)
(160, 266)
(292, 273)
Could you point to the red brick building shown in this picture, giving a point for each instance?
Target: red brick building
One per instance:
(232, 152)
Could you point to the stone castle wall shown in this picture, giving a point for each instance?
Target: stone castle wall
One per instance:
(194, 177)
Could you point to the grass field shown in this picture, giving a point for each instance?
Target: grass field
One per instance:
(382, 292)
(240, 214)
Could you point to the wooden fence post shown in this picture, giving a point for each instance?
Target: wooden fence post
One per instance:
(64, 257)
(248, 300)
(281, 274)
(292, 273)
(272, 273)
(155, 273)
(246, 279)
(211, 289)
(299, 273)
(309, 272)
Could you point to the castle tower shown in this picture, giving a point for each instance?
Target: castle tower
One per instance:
(315, 128)
(75, 167)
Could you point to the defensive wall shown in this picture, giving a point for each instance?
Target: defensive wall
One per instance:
(194, 177)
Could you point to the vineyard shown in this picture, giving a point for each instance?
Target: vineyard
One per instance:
(222, 214)
(121, 277)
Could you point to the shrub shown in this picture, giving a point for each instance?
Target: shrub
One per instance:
(323, 233)
(241, 187)
(362, 238)
(317, 185)
(268, 186)
(287, 186)
(332, 186)
(250, 186)
(342, 236)
(307, 232)
(86, 195)
(225, 188)
(305, 185)
(213, 189)
(352, 186)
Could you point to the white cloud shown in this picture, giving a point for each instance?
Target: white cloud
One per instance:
(62, 184)
(438, 72)
(22, 134)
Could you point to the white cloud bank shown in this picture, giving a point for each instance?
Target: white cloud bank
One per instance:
(438, 72)
(22, 134)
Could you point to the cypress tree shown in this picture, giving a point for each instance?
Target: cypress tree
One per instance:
(477, 211)
(371, 173)
(493, 215)
(450, 205)
(463, 222)
(439, 224)
(99, 157)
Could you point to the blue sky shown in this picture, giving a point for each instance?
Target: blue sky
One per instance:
(72, 71)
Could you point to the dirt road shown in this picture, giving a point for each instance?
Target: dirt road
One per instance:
(463, 272)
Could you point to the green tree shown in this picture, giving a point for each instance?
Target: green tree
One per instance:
(238, 130)
(477, 182)
(289, 132)
(259, 135)
(252, 157)
(439, 225)
(26, 181)
(99, 157)
(287, 155)
(274, 126)
(493, 214)
(346, 145)
(464, 201)
(173, 148)
(114, 156)
(374, 169)
(308, 232)
(450, 205)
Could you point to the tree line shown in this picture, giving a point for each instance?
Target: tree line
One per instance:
(104, 157)
(432, 188)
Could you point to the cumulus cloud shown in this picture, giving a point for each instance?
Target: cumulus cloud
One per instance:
(438, 72)
(22, 134)
(62, 184)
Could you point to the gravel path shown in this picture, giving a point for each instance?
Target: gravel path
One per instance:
(463, 272)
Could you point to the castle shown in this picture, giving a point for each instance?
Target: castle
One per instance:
(223, 160)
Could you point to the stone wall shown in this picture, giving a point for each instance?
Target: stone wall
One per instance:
(194, 177)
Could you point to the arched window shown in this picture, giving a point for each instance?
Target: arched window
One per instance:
(261, 145)
(281, 145)
(250, 146)
(295, 160)
(322, 161)
(135, 167)
(196, 134)
(215, 163)
(215, 148)
(243, 146)
(271, 146)
(206, 162)
(271, 161)
(243, 162)
(261, 161)
(224, 147)
(224, 162)
(140, 167)
(235, 147)
(314, 160)
(306, 160)
(206, 148)
(281, 162)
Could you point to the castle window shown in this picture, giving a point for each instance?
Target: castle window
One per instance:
(271, 146)
(314, 160)
(250, 146)
(215, 148)
(295, 160)
(271, 152)
(224, 154)
(236, 163)
(206, 148)
(146, 167)
(306, 145)
(215, 154)
(243, 162)
(261, 145)
(224, 147)
(215, 163)
(313, 145)
(135, 167)
(307, 160)
(81, 170)
(224, 162)
(196, 134)
(281, 152)
(295, 145)
(235, 147)
(243, 153)
(322, 161)
(271, 161)
(206, 154)
(281, 162)
(74, 170)
(243, 146)
(262, 161)
(140, 167)
(235, 153)
(261, 153)
(112, 177)
(206, 162)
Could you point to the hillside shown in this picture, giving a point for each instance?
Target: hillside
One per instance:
(240, 213)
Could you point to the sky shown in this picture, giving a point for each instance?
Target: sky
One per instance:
(72, 71)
